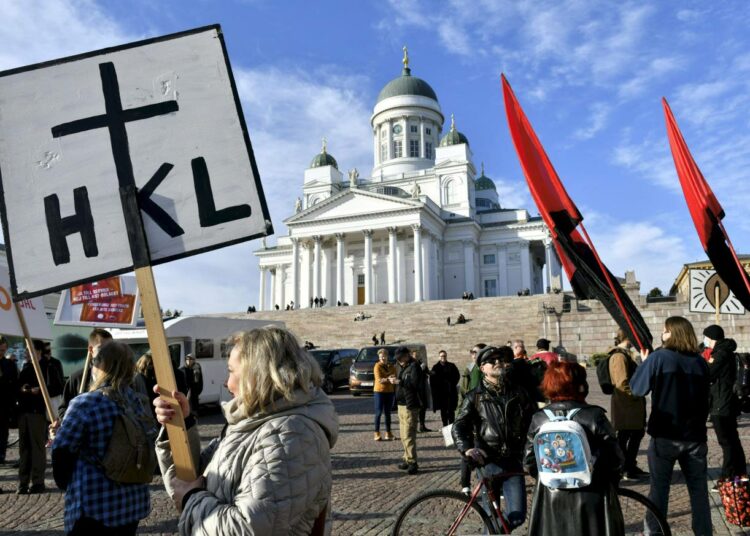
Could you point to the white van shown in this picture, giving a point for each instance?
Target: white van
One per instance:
(203, 336)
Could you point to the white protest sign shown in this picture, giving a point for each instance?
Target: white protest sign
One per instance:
(703, 285)
(161, 115)
(111, 302)
(33, 313)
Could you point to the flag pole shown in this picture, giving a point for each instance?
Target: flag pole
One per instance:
(612, 288)
(85, 377)
(717, 305)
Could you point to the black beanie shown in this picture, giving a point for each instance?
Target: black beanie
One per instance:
(714, 332)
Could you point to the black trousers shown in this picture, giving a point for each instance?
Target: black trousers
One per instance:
(422, 416)
(630, 443)
(731, 447)
(85, 526)
(447, 415)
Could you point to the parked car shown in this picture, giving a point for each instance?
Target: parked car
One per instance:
(361, 375)
(335, 365)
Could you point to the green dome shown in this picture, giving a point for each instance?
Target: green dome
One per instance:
(454, 137)
(323, 158)
(483, 182)
(406, 84)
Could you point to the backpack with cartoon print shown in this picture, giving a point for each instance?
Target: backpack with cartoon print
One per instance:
(563, 456)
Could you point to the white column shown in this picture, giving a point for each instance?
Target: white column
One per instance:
(427, 266)
(376, 148)
(469, 281)
(262, 290)
(280, 284)
(401, 271)
(389, 138)
(421, 138)
(502, 271)
(316, 267)
(547, 265)
(392, 246)
(272, 301)
(525, 266)
(340, 267)
(295, 272)
(368, 265)
(306, 285)
(417, 262)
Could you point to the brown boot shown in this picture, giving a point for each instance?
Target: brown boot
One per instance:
(388, 436)
(377, 436)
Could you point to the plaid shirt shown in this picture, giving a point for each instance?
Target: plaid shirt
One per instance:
(86, 430)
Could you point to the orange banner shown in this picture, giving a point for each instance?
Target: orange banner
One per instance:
(116, 310)
(97, 290)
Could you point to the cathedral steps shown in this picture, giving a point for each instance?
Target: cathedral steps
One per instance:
(490, 320)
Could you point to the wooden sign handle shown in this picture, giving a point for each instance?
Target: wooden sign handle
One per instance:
(157, 340)
(85, 376)
(717, 306)
(51, 413)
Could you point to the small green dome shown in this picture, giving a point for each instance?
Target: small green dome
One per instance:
(483, 182)
(454, 137)
(323, 158)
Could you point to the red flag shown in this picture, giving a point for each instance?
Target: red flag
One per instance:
(588, 276)
(706, 213)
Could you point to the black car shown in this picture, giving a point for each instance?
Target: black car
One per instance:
(335, 366)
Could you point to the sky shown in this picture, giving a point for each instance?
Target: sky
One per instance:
(589, 74)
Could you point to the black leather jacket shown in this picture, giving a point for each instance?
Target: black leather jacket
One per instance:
(494, 421)
(723, 374)
(409, 387)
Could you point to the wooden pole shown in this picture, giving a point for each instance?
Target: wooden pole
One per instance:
(85, 377)
(717, 305)
(51, 413)
(157, 341)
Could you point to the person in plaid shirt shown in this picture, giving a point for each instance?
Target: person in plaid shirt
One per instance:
(93, 502)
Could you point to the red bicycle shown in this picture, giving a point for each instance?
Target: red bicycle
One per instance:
(450, 512)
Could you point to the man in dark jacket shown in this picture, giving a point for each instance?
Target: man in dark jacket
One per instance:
(194, 380)
(724, 403)
(408, 392)
(32, 419)
(491, 427)
(444, 384)
(8, 391)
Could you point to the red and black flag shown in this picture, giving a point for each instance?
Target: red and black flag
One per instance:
(707, 214)
(589, 277)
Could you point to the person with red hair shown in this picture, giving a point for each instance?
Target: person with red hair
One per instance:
(593, 509)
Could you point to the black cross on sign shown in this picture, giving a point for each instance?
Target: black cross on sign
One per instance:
(133, 201)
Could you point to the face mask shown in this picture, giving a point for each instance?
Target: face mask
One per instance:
(706, 342)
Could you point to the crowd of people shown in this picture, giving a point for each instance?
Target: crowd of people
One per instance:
(269, 472)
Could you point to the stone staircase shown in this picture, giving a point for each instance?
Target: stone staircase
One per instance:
(489, 320)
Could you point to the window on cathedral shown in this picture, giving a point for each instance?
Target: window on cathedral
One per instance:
(414, 129)
(489, 259)
(428, 131)
(428, 149)
(449, 192)
(398, 149)
(490, 288)
(384, 152)
(414, 148)
(360, 280)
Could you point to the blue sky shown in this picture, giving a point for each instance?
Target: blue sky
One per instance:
(589, 74)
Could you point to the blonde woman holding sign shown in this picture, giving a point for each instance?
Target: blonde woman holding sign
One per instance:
(270, 471)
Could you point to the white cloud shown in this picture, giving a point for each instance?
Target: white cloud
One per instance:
(40, 30)
(599, 113)
(514, 194)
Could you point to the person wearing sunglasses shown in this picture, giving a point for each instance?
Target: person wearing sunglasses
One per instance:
(491, 426)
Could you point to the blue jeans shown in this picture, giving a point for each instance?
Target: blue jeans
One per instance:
(512, 488)
(383, 406)
(662, 454)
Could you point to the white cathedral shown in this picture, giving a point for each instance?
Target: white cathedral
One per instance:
(422, 226)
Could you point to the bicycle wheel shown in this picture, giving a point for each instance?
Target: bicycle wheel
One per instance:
(435, 512)
(637, 509)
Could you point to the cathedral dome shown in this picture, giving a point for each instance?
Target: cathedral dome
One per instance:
(323, 158)
(406, 84)
(483, 182)
(454, 137)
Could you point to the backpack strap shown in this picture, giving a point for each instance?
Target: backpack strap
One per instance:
(568, 416)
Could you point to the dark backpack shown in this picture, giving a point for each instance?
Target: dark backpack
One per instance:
(603, 375)
(130, 457)
(742, 385)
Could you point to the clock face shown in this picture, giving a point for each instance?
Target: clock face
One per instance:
(703, 294)
(397, 129)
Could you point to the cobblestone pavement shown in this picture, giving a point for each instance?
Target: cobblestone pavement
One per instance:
(368, 487)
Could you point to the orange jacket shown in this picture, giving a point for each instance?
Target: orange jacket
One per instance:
(383, 371)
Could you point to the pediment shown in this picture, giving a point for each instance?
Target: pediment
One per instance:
(352, 203)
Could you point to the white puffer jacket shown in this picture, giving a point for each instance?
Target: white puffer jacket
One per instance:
(269, 474)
